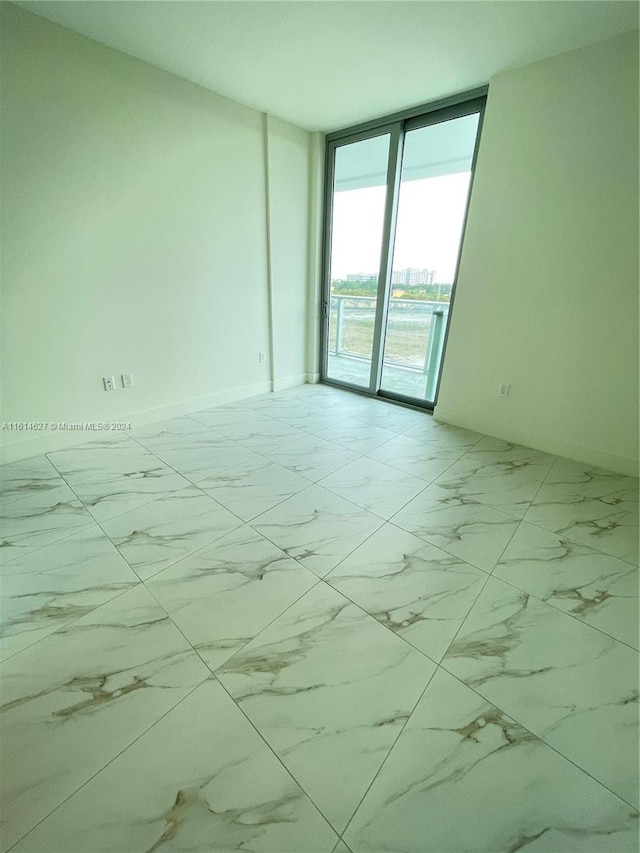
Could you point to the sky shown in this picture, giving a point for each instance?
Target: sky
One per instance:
(430, 219)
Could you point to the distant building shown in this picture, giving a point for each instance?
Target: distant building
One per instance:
(411, 276)
(408, 277)
(362, 276)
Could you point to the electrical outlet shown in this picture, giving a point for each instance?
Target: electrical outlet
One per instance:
(127, 380)
(503, 390)
(262, 357)
(109, 383)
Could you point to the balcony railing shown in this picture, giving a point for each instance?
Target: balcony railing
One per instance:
(414, 337)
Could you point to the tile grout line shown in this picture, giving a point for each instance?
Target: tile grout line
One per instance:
(237, 651)
(262, 454)
(564, 612)
(138, 506)
(110, 761)
(135, 509)
(571, 539)
(481, 590)
(386, 758)
(279, 760)
(319, 579)
(541, 739)
(236, 704)
(71, 622)
(208, 668)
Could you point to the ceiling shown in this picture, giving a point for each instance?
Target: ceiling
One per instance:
(330, 64)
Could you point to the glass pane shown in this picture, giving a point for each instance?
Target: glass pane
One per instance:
(359, 195)
(435, 178)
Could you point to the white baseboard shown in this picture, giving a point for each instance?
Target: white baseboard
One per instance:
(313, 378)
(44, 442)
(546, 443)
(286, 382)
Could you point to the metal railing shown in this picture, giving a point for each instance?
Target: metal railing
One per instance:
(415, 330)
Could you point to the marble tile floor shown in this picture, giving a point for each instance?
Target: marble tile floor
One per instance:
(312, 622)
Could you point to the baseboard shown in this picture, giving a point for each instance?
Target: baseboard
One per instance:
(313, 378)
(286, 382)
(546, 443)
(44, 442)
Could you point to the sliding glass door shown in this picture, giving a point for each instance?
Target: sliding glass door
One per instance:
(432, 200)
(397, 197)
(359, 197)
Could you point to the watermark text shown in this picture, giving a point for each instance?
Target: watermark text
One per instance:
(65, 426)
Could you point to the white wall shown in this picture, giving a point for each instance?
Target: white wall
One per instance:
(547, 296)
(288, 200)
(134, 238)
(316, 201)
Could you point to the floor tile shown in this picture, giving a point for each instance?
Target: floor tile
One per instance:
(206, 457)
(328, 687)
(308, 418)
(224, 595)
(415, 457)
(433, 792)
(346, 403)
(593, 481)
(270, 402)
(358, 435)
(415, 589)
(595, 507)
(114, 481)
(317, 528)
(27, 478)
(54, 585)
(73, 701)
(41, 519)
(476, 533)
(249, 408)
(253, 487)
(74, 460)
(398, 419)
(129, 462)
(312, 457)
(266, 434)
(374, 486)
(309, 559)
(571, 685)
(592, 586)
(441, 436)
(161, 532)
(200, 779)
(509, 492)
(224, 418)
(509, 458)
(170, 434)
(313, 391)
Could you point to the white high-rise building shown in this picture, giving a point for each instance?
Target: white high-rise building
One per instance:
(362, 276)
(411, 276)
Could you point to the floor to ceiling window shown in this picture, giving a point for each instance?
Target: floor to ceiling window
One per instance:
(396, 202)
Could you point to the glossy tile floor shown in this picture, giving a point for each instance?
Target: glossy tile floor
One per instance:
(317, 622)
